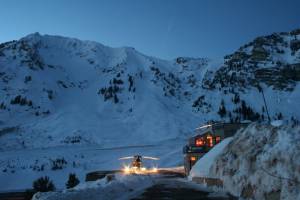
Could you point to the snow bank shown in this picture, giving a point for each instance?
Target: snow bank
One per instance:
(277, 123)
(201, 168)
(261, 162)
(122, 187)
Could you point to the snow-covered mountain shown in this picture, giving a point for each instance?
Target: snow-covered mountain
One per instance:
(63, 91)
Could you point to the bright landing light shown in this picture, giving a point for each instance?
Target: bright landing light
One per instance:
(142, 170)
(126, 169)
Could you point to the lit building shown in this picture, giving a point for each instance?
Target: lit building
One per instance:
(205, 138)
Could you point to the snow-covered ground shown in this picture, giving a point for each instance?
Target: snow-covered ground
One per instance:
(25, 166)
(260, 162)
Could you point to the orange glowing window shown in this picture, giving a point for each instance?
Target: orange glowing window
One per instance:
(209, 140)
(218, 139)
(199, 142)
(193, 158)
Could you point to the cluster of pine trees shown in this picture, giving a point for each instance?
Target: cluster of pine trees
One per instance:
(241, 112)
(44, 184)
(21, 101)
(111, 91)
(58, 163)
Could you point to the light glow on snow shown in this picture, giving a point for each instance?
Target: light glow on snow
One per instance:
(135, 170)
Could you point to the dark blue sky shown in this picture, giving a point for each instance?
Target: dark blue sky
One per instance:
(161, 28)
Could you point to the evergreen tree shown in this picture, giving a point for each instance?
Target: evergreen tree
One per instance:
(116, 100)
(222, 109)
(43, 184)
(72, 181)
(23, 101)
(279, 116)
(236, 99)
(16, 100)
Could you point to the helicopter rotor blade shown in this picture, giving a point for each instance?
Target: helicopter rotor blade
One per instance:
(126, 158)
(150, 158)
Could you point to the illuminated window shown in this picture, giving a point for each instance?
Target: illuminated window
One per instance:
(193, 158)
(218, 139)
(209, 140)
(199, 142)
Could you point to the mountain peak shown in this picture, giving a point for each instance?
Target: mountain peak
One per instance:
(32, 36)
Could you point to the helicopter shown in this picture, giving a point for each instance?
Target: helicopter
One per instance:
(136, 165)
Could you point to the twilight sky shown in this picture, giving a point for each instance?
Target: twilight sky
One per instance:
(161, 28)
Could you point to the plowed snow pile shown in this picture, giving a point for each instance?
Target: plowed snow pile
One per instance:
(261, 162)
(202, 167)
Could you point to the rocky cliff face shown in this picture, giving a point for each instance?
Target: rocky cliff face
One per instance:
(272, 60)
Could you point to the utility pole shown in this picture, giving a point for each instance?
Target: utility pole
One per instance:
(262, 92)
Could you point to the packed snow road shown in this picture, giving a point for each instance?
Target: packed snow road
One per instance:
(179, 189)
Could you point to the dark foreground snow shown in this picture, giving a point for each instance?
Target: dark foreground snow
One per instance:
(136, 187)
